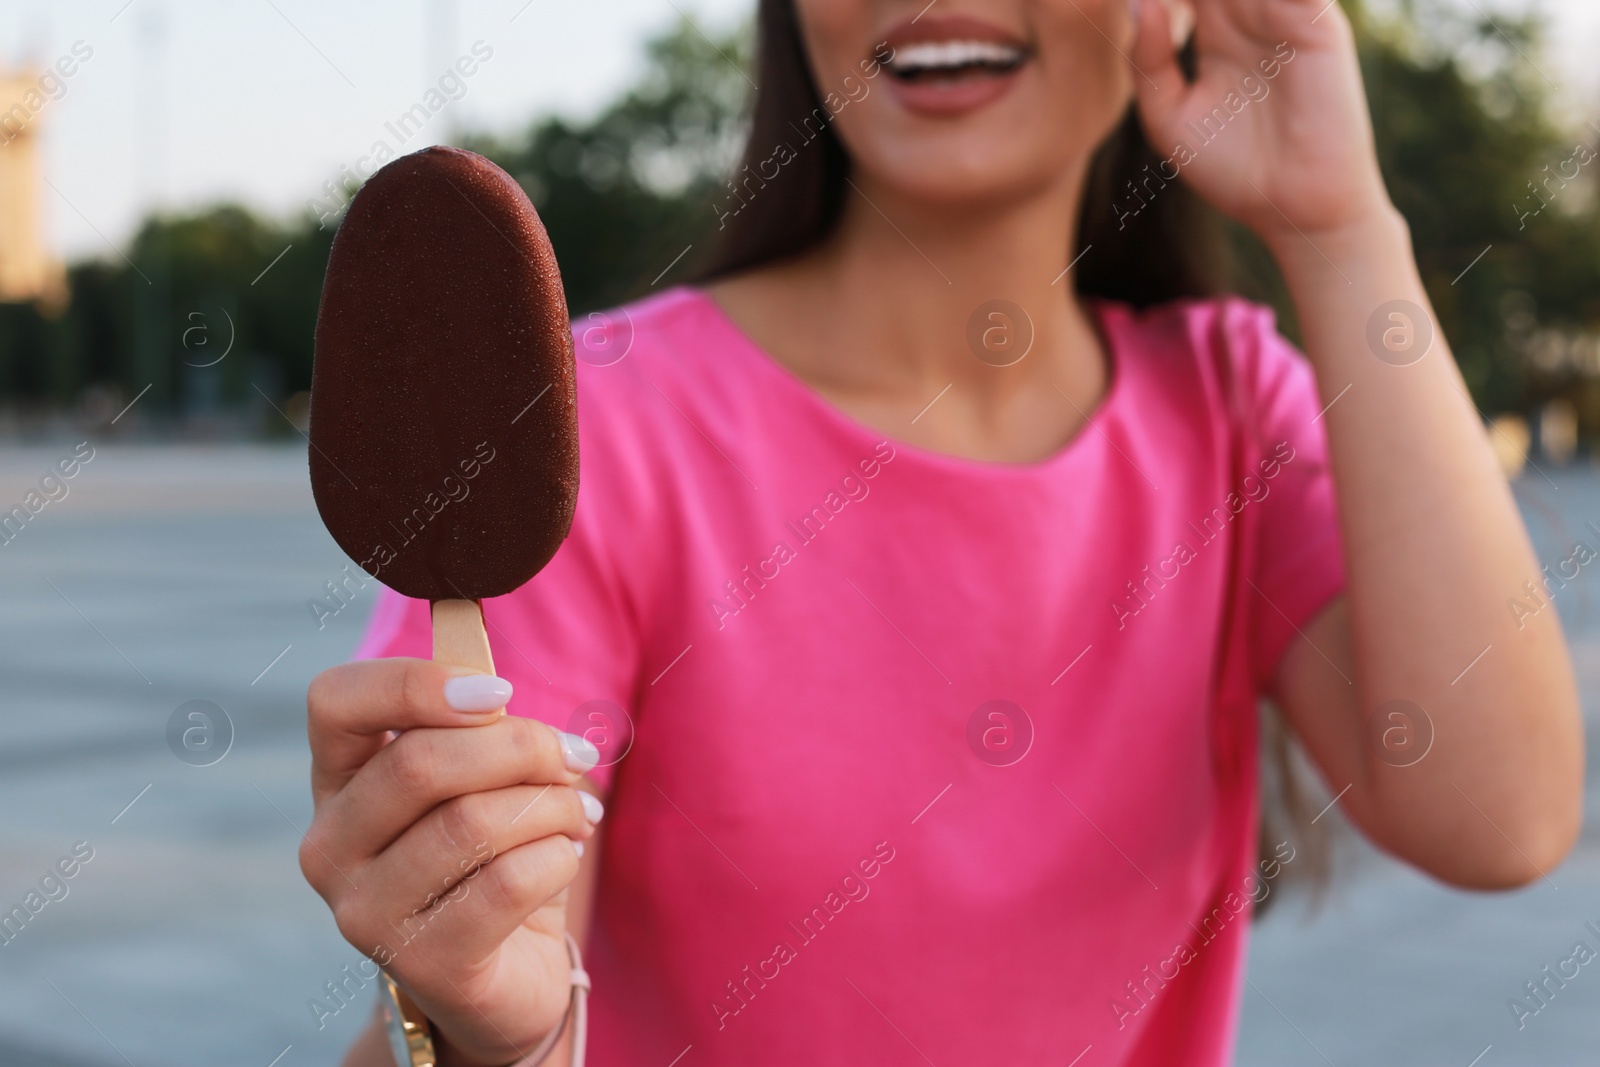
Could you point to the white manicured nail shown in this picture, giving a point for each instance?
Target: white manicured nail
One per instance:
(477, 692)
(577, 846)
(592, 808)
(579, 754)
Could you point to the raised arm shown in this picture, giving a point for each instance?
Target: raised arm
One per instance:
(1434, 546)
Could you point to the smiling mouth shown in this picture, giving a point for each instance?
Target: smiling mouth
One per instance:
(954, 60)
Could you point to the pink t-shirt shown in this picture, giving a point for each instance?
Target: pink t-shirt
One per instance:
(927, 759)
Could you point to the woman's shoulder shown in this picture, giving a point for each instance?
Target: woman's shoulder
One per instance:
(632, 357)
(661, 331)
(1223, 324)
(658, 378)
(647, 355)
(1217, 343)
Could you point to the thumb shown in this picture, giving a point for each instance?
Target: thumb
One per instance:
(1159, 83)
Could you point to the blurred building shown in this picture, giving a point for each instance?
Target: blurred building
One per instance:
(1510, 438)
(27, 271)
(1558, 431)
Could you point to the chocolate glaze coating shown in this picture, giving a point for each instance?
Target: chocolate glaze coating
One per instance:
(444, 418)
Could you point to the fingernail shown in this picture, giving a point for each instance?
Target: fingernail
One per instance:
(579, 754)
(592, 808)
(477, 692)
(577, 846)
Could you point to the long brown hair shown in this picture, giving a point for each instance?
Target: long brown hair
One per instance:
(1173, 248)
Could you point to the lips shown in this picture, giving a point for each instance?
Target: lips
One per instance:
(948, 66)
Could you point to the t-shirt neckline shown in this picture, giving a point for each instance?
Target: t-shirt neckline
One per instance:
(1103, 316)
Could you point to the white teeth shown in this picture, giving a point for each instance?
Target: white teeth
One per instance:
(953, 55)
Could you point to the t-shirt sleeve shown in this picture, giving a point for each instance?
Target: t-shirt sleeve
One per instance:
(567, 641)
(1298, 565)
(564, 641)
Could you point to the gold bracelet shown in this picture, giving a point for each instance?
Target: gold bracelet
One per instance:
(411, 1034)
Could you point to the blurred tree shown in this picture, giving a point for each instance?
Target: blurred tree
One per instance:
(168, 314)
(1467, 153)
(625, 194)
(622, 196)
(1462, 115)
(1465, 134)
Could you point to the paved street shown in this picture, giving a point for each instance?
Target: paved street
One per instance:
(168, 575)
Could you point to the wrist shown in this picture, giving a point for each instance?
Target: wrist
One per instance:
(1377, 238)
(448, 1054)
(458, 1044)
(565, 1041)
(499, 1053)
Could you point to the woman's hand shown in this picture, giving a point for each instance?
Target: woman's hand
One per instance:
(446, 852)
(1432, 540)
(1274, 131)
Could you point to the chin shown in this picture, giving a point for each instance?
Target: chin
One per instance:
(971, 168)
(1007, 155)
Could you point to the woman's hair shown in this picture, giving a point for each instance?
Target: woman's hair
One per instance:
(1173, 247)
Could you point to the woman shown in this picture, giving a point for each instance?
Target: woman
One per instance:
(939, 597)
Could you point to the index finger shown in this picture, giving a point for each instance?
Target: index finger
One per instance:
(352, 709)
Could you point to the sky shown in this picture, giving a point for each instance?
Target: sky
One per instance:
(186, 102)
